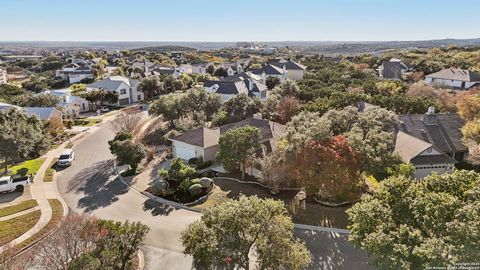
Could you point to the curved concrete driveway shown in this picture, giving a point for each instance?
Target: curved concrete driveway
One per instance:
(89, 186)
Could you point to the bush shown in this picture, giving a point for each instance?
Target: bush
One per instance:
(68, 123)
(184, 185)
(204, 165)
(192, 161)
(195, 190)
(196, 181)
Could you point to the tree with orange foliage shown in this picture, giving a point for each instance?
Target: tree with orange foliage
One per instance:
(469, 106)
(328, 169)
(287, 108)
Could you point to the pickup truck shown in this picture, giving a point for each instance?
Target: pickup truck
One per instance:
(9, 183)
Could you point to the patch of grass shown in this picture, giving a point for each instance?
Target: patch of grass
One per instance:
(217, 197)
(15, 227)
(57, 214)
(93, 121)
(19, 207)
(50, 172)
(27, 167)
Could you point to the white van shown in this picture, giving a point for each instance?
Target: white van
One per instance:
(66, 158)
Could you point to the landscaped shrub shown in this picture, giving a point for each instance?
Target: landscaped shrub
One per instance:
(206, 182)
(196, 181)
(204, 165)
(195, 190)
(68, 123)
(185, 184)
(192, 161)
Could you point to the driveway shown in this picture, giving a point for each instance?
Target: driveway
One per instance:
(90, 186)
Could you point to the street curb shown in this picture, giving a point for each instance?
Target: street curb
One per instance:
(178, 205)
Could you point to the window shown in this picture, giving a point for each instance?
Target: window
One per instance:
(139, 97)
(3, 182)
(123, 91)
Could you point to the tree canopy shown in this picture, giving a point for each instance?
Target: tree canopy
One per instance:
(228, 233)
(409, 224)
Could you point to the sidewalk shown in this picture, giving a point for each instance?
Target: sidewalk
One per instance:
(42, 191)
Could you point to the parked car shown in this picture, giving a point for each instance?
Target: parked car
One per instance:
(10, 183)
(66, 158)
(104, 109)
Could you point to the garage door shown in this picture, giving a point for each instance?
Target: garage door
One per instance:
(123, 101)
(184, 152)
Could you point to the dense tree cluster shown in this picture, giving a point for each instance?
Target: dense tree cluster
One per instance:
(409, 224)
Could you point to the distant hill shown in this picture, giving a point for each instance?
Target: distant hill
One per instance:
(382, 46)
(168, 48)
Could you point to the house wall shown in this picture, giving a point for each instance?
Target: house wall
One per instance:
(210, 152)
(448, 83)
(74, 78)
(424, 170)
(199, 151)
(295, 75)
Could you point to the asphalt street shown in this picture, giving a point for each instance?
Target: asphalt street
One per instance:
(90, 186)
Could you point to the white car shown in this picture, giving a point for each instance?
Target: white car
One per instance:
(66, 158)
(104, 109)
(8, 183)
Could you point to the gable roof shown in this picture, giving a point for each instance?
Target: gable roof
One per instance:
(228, 87)
(204, 137)
(392, 69)
(441, 130)
(4, 106)
(289, 65)
(201, 136)
(113, 82)
(269, 70)
(44, 113)
(245, 77)
(456, 75)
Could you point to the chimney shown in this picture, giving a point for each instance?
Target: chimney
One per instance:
(430, 118)
(264, 78)
(250, 84)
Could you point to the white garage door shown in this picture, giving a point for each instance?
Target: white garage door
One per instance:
(184, 152)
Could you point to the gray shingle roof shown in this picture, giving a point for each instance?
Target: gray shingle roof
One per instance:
(392, 70)
(201, 136)
(269, 70)
(112, 83)
(228, 87)
(456, 74)
(204, 137)
(441, 130)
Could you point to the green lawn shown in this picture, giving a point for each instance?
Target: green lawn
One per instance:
(15, 227)
(57, 214)
(10, 210)
(26, 168)
(48, 177)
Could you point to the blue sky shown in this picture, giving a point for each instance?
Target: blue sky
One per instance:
(227, 20)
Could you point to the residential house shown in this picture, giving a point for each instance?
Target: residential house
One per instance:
(3, 76)
(455, 78)
(271, 71)
(146, 69)
(193, 68)
(393, 69)
(127, 89)
(44, 113)
(71, 105)
(226, 89)
(295, 71)
(75, 72)
(441, 131)
(232, 68)
(424, 156)
(203, 142)
(253, 83)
